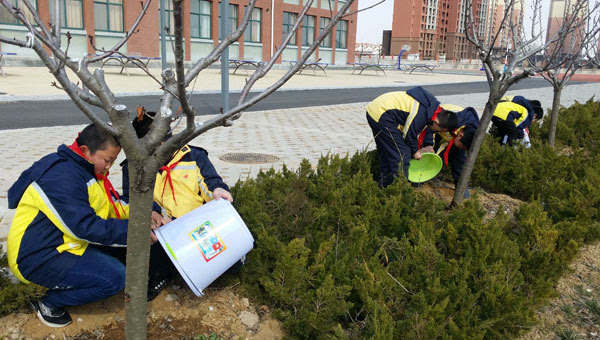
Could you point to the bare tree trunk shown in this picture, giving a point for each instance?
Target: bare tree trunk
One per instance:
(138, 249)
(484, 123)
(554, 115)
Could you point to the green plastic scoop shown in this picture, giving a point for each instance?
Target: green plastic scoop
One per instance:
(424, 169)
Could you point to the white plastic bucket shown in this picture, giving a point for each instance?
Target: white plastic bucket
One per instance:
(205, 242)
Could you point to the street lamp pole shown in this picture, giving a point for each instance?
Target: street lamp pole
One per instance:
(225, 56)
(163, 41)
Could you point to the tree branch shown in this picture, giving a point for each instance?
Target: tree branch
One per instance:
(130, 32)
(363, 9)
(217, 121)
(216, 53)
(36, 18)
(72, 90)
(13, 41)
(499, 83)
(266, 66)
(179, 67)
(18, 14)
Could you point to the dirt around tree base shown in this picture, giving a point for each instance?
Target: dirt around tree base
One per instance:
(175, 314)
(489, 201)
(575, 312)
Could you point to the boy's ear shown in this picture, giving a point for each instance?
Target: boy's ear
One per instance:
(85, 150)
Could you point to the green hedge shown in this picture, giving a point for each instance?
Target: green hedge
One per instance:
(337, 257)
(14, 296)
(565, 180)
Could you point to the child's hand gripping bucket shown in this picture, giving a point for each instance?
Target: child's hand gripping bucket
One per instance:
(205, 242)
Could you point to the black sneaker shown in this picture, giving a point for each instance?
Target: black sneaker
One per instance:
(52, 317)
(154, 288)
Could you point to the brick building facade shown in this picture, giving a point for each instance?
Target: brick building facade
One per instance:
(108, 20)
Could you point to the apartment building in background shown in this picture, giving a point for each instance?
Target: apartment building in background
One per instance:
(558, 10)
(108, 20)
(436, 29)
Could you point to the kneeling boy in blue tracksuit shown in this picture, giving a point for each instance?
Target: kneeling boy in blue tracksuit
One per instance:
(68, 215)
(398, 121)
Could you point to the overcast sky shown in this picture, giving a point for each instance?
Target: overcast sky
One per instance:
(372, 22)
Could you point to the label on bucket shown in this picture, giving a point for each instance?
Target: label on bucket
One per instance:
(208, 241)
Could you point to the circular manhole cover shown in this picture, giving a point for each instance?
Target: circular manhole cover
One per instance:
(248, 158)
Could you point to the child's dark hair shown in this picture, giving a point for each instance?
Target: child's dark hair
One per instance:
(448, 119)
(95, 138)
(141, 123)
(538, 110)
(468, 134)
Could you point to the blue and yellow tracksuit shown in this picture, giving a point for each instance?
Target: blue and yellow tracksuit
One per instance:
(61, 209)
(454, 157)
(397, 119)
(511, 117)
(183, 184)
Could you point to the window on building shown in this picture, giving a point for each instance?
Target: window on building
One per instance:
(288, 22)
(233, 16)
(308, 30)
(341, 34)
(252, 33)
(200, 14)
(341, 4)
(169, 17)
(314, 3)
(7, 18)
(327, 41)
(108, 15)
(71, 13)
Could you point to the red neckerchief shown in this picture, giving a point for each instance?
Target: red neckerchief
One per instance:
(108, 187)
(75, 148)
(424, 132)
(168, 169)
(447, 152)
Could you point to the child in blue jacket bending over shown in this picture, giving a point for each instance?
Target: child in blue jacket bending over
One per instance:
(513, 116)
(454, 144)
(399, 122)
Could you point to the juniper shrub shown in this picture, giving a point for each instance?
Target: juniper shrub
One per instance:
(337, 257)
(566, 180)
(14, 296)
